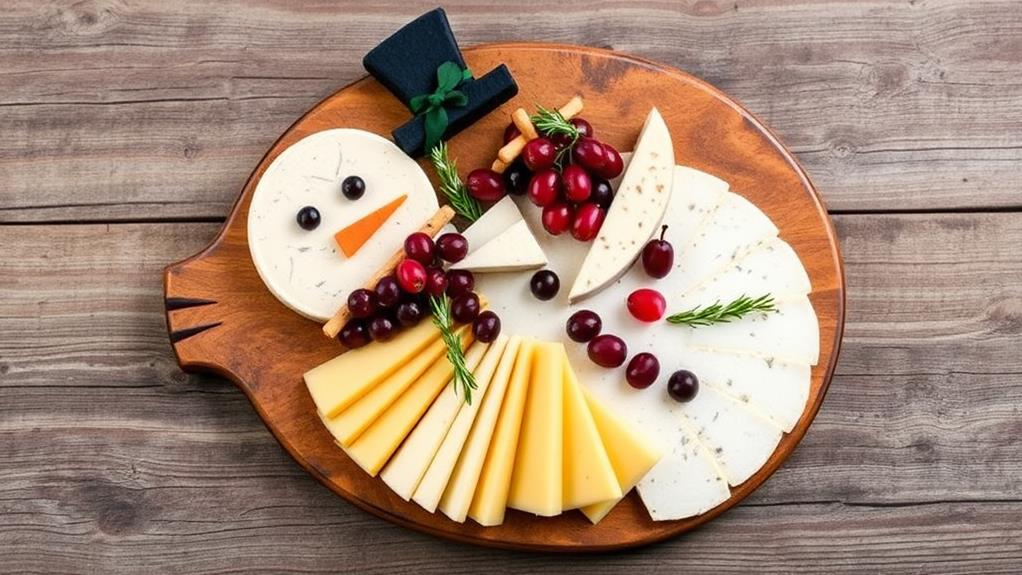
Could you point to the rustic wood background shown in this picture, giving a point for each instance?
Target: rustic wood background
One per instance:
(129, 127)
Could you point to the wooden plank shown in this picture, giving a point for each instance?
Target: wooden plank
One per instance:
(155, 110)
(115, 461)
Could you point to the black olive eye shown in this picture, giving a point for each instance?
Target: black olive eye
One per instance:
(353, 187)
(308, 218)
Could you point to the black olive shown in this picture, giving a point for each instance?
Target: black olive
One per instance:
(353, 187)
(308, 218)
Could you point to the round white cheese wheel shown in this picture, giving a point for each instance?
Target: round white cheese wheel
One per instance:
(305, 269)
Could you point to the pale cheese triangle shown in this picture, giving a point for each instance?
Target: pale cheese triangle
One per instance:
(514, 249)
(501, 216)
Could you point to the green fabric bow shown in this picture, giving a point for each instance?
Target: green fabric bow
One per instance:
(448, 77)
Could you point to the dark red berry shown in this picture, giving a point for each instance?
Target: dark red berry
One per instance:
(613, 165)
(544, 187)
(516, 177)
(607, 350)
(388, 292)
(578, 186)
(419, 246)
(409, 313)
(486, 326)
(603, 193)
(539, 153)
(465, 307)
(485, 185)
(354, 334)
(452, 247)
(587, 223)
(683, 386)
(361, 303)
(382, 328)
(590, 154)
(584, 128)
(557, 218)
(584, 325)
(436, 281)
(658, 256)
(459, 282)
(642, 370)
(511, 132)
(544, 284)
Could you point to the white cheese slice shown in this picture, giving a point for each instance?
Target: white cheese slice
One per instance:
(482, 417)
(304, 269)
(734, 229)
(431, 488)
(772, 388)
(408, 464)
(739, 440)
(514, 249)
(772, 268)
(685, 481)
(639, 206)
(501, 216)
(688, 483)
(792, 333)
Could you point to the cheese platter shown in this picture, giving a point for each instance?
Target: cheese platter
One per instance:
(561, 346)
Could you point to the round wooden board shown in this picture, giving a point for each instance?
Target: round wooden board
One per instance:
(223, 320)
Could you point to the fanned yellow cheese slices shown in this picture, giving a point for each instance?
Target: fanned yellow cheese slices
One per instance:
(377, 443)
(341, 381)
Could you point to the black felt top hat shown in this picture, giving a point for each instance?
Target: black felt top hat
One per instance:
(406, 63)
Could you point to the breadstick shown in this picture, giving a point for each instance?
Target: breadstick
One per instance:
(524, 124)
(512, 149)
(440, 219)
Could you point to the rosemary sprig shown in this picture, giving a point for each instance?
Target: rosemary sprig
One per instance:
(717, 313)
(552, 123)
(451, 184)
(463, 378)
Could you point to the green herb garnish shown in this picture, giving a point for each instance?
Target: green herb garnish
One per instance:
(717, 313)
(552, 123)
(463, 378)
(451, 184)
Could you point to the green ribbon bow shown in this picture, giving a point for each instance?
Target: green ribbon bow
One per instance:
(448, 77)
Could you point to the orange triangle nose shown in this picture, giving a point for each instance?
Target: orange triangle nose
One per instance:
(355, 235)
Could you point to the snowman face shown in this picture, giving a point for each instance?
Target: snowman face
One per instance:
(307, 269)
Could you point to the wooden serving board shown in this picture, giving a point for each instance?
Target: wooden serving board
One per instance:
(223, 320)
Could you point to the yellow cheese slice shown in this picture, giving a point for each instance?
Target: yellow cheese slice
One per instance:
(588, 475)
(339, 382)
(631, 454)
(409, 463)
(374, 447)
(351, 422)
(490, 499)
(434, 480)
(462, 484)
(537, 481)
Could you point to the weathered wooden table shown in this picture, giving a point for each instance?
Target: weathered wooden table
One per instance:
(129, 127)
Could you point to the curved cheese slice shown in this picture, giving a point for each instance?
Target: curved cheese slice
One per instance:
(434, 480)
(409, 463)
(637, 210)
(462, 484)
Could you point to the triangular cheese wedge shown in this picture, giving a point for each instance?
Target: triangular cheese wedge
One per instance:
(588, 475)
(636, 212)
(514, 249)
(501, 216)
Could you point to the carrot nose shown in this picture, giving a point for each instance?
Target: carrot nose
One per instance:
(355, 235)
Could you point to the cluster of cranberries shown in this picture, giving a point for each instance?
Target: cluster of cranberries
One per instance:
(647, 305)
(402, 299)
(574, 192)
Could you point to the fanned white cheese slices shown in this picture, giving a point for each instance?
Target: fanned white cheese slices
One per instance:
(755, 372)
(638, 207)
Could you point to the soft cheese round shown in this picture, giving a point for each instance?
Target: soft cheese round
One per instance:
(306, 270)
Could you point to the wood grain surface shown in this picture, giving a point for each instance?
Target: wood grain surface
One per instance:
(155, 113)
